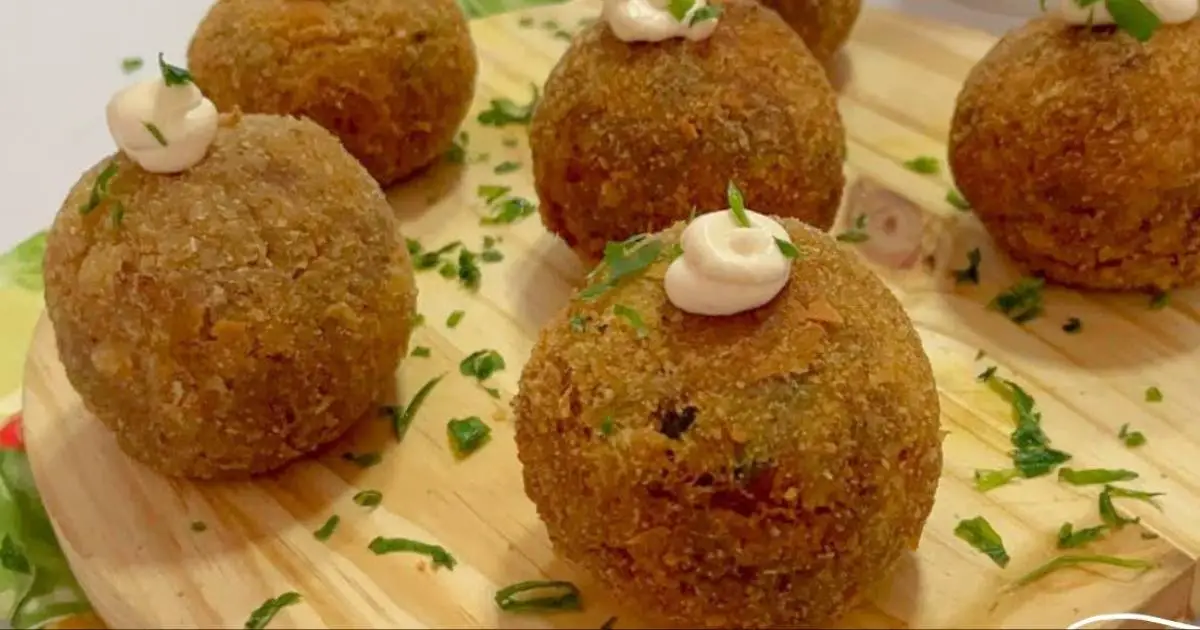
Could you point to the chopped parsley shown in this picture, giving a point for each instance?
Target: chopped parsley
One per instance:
(469, 273)
(199, 526)
(1132, 439)
(438, 554)
(430, 259)
(706, 12)
(363, 460)
(503, 111)
(1137, 495)
(467, 435)
(12, 558)
(325, 531)
(991, 479)
(402, 417)
(457, 153)
(856, 234)
(1073, 560)
(1070, 538)
(987, 374)
(525, 21)
(489, 193)
(156, 132)
(481, 364)
(621, 260)
(506, 167)
(418, 320)
(368, 498)
(924, 164)
(508, 211)
(978, 533)
(130, 65)
(737, 205)
(420, 351)
(578, 323)
(606, 426)
(538, 595)
(491, 256)
(1094, 476)
(1022, 302)
(173, 75)
(1109, 514)
(970, 273)
(1032, 455)
(1154, 395)
(509, 142)
(267, 611)
(955, 198)
(455, 318)
(100, 187)
(630, 315)
(1160, 300)
(1072, 325)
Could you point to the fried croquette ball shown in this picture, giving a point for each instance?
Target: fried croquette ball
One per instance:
(1078, 152)
(757, 470)
(824, 25)
(630, 138)
(229, 319)
(392, 78)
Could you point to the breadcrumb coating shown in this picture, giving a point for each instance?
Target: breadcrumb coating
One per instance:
(758, 470)
(392, 78)
(240, 314)
(630, 138)
(824, 25)
(1078, 150)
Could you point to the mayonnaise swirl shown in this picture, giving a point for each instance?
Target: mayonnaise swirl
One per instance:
(1168, 11)
(651, 21)
(726, 268)
(164, 128)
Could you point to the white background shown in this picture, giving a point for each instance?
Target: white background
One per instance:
(60, 62)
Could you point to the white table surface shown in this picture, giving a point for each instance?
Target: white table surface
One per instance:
(60, 62)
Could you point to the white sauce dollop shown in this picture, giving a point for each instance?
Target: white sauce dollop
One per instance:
(726, 268)
(650, 21)
(165, 129)
(1169, 11)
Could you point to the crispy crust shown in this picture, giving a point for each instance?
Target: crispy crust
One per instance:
(392, 78)
(824, 25)
(809, 467)
(1078, 150)
(244, 313)
(631, 137)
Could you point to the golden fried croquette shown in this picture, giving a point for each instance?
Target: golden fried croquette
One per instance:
(824, 25)
(757, 470)
(231, 318)
(1077, 149)
(630, 138)
(392, 78)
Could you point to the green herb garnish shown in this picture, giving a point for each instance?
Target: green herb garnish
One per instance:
(787, 249)
(368, 498)
(402, 417)
(326, 530)
(118, 214)
(1160, 300)
(503, 111)
(525, 21)
(506, 167)
(970, 273)
(509, 142)
(1137, 495)
(491, 256)
(418, 320)
(856, 234)
(199, 526)
(986, 375)
(955, 198)
(267, 611)
(469, 273)
(1070, 538)
(978, 533)
(991, 479)
(1133, 17)
(420, 351)
(925, 165)
(680, 8)
(1154, 395)
(130, 65)
(558, 595)
(1062, 562)
(1131, 438)
(1094, 476)
(631, 316)
(467, 435)
(1109, 514)
(438, 554)
(606, 426)
(457, 154)
(455, 318)
(363, 460)
(481, 364)
(1032, 456)
(12, 558)
(621, 260)
(1022, 302)
(706, 12)
(489, 193)
(1072, 325)
(100, 187)
(737, 205)
(508, 211)
(431, 259)
(173, 75)
(154, 131)
(578, 323)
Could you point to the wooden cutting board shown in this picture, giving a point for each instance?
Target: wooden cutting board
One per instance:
(128, 532)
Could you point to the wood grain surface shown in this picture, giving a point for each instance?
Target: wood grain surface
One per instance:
(128, 531)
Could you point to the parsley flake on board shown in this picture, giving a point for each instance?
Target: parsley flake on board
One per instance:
(173, 75)
(621, 260)
(1109, 513)
(1094, 476)
(991, 479)
(537, 595)
(421, 352)
(267, 611)
(402, 417)
(438, 554)
(455, 319)
(481, 364)
(457, 153)
(1132, 439)
(1070, 538)
(1032, 455)
(978, 533)
(100, 187)
(1022, 302)
(506, 167)
(199, 526)
(1137, 495)
(856, 234)
(430, 259)
(130, 65)
(1072, 326)
(924, 164)
(368, 498)
(1160, 300)
(1154, 395)
(326, 531)
(970, 273)
(363, 460)
(467, 435)
(1074, 560)
(955, 199)
(503, 111)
